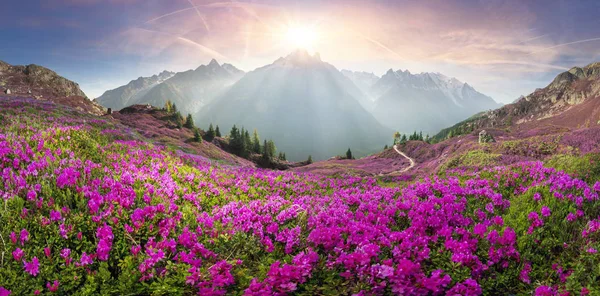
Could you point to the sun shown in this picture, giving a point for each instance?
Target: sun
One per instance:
(303, 37)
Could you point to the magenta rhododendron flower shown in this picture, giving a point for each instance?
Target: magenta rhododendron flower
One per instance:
(18, 254)
(546, 211)
(85, 259)
(24, 236)
(544, 291)
(4, 291)
(53, 287)
(32, 267)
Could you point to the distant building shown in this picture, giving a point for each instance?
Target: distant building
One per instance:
(7, 91)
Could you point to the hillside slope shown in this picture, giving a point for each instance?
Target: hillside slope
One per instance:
(44, 84)
(89, 210)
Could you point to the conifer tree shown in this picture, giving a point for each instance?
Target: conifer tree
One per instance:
(272, 149)
(247, 143)
(197, 136)
(217, 132)
(189, 122)
(236, 141)
(210, 134)
(309, 160)
(385, 147)
(255, 142)
(349, 154)
(265, 150)
(403, 140)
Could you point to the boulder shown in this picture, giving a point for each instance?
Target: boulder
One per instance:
(485, 137)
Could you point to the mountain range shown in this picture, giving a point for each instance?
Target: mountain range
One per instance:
(302, 97)
(424, 102)
(306, 105)
(189, 90)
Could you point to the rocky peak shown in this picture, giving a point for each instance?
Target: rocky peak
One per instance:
(214, 64)
(299, 57)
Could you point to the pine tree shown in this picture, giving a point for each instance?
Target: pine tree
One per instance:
(248, 143)
(217, 132)
(284, 158)
(173, 108)
(243, 143)
(236, 141)
(189, 122)
(197, 136)
(178, 119)
(386, 147)
(309, 160)
(272, 149)
(421, 136)
(210, 134)
(349, 154)
(255, 142)
(265, 150)
(403, 140)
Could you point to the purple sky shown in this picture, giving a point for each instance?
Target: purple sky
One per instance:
(502, 48)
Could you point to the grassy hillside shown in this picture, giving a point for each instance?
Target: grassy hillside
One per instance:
(89, 208)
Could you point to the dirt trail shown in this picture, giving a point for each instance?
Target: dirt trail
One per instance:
(412, 162)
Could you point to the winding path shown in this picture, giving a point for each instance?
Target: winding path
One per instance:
(412, 162)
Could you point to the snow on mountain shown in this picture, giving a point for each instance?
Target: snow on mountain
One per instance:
(425, 101)
(189, 90)
(126, 95)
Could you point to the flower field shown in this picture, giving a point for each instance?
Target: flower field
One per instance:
(87, 210)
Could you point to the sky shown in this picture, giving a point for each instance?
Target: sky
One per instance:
(502, 48)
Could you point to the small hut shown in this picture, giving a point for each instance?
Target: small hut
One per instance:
(7, 91)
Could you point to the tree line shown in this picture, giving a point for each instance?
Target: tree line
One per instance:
(240, 141)
(403, 138)
(244, 145)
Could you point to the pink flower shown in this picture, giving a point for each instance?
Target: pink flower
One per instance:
(24, 236)
(537, 196)
(13, 237)
(53, 287)
(524, 275)
(584, 291)
(544, 291)
(32, 267)
(592, 251)
(55, 215)
(4, 291)
(85, 259)
(18, 254)
(545, 211)
(47, 252)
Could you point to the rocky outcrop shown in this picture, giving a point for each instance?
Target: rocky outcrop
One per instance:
(38, 81)
(44, 84)
(569, 89)
(485, 137)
